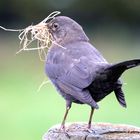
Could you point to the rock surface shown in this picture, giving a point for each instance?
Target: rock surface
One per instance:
(98, 131)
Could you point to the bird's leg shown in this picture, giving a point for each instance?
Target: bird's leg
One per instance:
(64, 119)
(88, 129)
(68, 106)
(90, 118)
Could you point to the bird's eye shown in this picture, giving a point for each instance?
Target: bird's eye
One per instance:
(55, 25)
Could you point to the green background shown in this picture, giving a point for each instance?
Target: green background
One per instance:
(25, 114)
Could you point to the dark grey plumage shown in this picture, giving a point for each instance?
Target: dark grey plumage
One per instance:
(78, 70)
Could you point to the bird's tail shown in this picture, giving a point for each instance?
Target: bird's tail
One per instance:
(116, 70)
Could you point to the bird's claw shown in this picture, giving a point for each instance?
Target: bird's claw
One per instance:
(62, 129)
(89, 130)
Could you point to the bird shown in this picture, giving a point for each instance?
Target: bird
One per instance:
(78, 70)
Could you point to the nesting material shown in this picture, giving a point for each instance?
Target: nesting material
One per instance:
(38, 33)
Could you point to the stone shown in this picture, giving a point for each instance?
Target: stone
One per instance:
(98, 131)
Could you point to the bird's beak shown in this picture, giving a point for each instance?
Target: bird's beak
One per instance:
(48, 26)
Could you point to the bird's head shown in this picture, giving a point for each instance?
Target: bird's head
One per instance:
(64, 30)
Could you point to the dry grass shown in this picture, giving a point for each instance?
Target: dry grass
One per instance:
(38, 33)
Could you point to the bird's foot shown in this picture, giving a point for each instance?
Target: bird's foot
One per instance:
(63, 130)
(89, 130)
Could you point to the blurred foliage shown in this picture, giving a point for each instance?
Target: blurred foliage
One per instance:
(113, 27)
(26, 11)
(26, 114)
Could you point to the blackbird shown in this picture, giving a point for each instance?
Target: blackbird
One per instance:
(78, 70)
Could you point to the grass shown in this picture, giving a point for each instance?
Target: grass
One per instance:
(27, 114)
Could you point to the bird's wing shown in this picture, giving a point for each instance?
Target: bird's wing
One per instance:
(74, 70)
(79, 74)
(76, 79)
